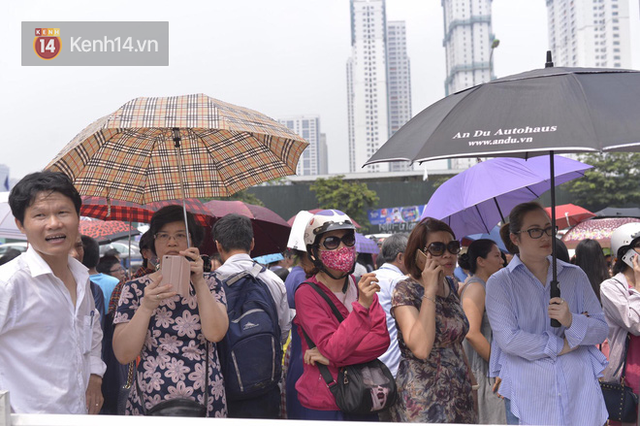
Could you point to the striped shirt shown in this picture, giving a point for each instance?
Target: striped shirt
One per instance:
(545, 388)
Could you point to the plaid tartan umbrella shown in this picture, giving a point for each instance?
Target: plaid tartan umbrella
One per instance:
(106, 231)
(143, 151)
(107, 209)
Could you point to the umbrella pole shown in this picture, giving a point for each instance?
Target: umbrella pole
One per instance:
(555, 290)
(176, 140)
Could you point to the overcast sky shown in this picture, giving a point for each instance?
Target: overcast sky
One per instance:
(280, 57)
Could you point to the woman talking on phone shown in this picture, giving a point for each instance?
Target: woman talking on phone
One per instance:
(621, 304)
(549, 374)
(174, 336)
(434, 381)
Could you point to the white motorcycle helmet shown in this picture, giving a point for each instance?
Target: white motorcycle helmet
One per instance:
(325, 221)
(623, 236)
(296, 236)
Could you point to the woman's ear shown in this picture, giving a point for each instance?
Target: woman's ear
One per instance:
(515, 239)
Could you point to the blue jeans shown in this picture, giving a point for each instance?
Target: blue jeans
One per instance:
(511, 419)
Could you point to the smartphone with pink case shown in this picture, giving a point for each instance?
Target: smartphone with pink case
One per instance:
(176, 271)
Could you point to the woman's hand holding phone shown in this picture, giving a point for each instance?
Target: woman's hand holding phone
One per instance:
(154, 293)
(431, 273)
(196, 263)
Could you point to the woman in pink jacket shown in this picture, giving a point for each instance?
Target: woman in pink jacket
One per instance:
(361, 337)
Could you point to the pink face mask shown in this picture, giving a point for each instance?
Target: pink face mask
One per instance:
(341, 259)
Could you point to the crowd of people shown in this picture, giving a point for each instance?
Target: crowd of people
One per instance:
(239, 339)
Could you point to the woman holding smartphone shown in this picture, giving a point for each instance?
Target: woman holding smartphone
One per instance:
(549, 374)
(620, 298)
(174, 336)
(435, 384)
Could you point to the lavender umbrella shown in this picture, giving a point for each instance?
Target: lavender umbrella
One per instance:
(475, 200)
(365, 245)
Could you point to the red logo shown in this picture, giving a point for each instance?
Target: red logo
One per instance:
(47, 42)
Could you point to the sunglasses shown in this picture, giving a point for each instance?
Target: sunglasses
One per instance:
(332, 242)
(536, 233)
(438, 248)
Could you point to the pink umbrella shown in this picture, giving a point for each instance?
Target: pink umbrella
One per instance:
(599, 229)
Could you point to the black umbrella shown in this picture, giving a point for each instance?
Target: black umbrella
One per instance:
(537, 112)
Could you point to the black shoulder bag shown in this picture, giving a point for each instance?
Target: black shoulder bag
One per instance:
(620, 400)
(360, 388)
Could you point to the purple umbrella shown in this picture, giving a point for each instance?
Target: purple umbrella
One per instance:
(365, 245)
(475, 200)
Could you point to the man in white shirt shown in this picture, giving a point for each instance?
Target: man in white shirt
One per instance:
(390, 273)
(233, 235)
(50, 335)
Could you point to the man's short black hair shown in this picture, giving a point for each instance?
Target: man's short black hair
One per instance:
(174, 213)
(233, 232)
(91, 252)
(24, 193)
(106, 263)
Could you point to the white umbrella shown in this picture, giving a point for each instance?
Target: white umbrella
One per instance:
(8, 227)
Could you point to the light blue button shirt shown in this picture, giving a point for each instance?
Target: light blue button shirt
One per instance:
(388, 276)
(545, 388)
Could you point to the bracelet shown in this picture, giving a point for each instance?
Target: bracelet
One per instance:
(429, 298)
(475, 387)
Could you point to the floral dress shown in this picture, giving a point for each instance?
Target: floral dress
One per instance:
(173, 355)
(437, 390)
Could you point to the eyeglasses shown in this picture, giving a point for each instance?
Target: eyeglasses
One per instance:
(332, 243)
(536, 233)
(438, 248)
(118, 269)
(163, 237)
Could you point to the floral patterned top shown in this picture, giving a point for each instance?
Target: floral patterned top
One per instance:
(437, 390)
(172, 359)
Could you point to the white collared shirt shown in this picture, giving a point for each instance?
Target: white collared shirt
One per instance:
(243, 262)
(388, 276)
(48, 347)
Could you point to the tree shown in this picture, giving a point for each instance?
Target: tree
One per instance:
(351, 198)
(613, 181)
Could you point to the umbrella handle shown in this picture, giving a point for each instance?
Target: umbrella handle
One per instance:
(176, 140)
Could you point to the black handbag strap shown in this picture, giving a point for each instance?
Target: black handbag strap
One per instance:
(324, 370)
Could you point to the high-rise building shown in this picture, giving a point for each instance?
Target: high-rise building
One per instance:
(468, 39)
(309, 128)
(378, 83)
(399, 83)
(323, 155)
(4, 178)
(594, 33)
(467, 42)
(367, 100)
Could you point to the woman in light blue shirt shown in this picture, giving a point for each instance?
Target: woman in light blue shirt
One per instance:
(549, 375)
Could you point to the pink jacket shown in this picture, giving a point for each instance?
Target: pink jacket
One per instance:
(361, 337)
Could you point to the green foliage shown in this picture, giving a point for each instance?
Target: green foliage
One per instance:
(613, 181)
(351, 198)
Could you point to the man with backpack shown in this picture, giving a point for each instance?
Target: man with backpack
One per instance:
(259, 323)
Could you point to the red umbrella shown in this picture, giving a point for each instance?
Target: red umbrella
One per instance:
(599, 229)
(569, 215)
(314, 211)
(106, 231)
(270, 231)
(101, 208)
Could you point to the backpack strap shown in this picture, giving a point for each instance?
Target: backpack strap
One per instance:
(253, 271)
